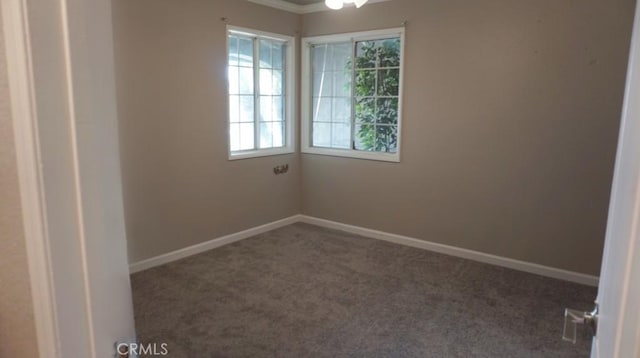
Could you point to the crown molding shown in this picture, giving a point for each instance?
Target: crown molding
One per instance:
(302, 9)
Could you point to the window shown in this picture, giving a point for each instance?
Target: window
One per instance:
(260, 87)
(352, 94)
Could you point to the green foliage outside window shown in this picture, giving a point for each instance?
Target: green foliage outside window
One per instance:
(376, 90)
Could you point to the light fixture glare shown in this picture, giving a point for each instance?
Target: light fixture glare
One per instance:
(339, 4)
(334, 4)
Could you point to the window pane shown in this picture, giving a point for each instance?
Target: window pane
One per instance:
(271, 82)
(366, 54)
(388, 81)
(379, 138)
(256, 125)
(233, 79)
(355, 94)
(234, 136)
(387, 111)
(266, 82)
(266, 109)
(246, 80)
(246, 136)
(340, 56)
(364, 137)
(234, 109)
(341, 110)
(278, 108)
(246, 52)
(341, 135)
(271, 135)
(233, 51)
(365, 83)
(319, 55)
(265, 54)
(322, 134)
(386, 138)
(365, 110)
(246, 109)
(278, 55)
(379, 53)
(342, 84)
(277, 80)
(266, 136)
(332, 94)
(278, 134)
(389, 52)
(322, 84)
(321, 109)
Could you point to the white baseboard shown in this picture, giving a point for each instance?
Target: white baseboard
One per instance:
(211, 244)
(457, 252)
(374, 234)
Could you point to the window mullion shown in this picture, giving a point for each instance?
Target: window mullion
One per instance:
(375, 104)
(256, 93)
(284, 94)
(353, 96)
(332, 94)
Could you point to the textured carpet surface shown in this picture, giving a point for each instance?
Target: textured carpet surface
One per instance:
(304, 291)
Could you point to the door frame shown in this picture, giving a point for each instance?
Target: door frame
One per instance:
(619, 289)
(24, 121)
(62, 90)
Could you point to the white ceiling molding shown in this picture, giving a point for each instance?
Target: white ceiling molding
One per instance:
(302, 9)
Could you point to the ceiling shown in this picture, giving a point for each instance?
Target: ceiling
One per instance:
(304, 2)
(300, 6)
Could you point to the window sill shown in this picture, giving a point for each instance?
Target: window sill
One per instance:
(355, 154)
(260, 153)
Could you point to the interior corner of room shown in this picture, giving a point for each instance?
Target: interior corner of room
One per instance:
(396, 177)
(501, 154)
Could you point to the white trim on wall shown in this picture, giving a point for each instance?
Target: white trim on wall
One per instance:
(373, 234)
(302, 9)
(457, 251)
(211, 244)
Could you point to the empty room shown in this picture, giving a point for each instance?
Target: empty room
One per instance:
(311, 178)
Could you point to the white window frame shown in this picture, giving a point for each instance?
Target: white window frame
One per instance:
(290, 118)
(307, 93)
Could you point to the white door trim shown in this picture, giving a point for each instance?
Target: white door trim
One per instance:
(73, 121)
(65, 123)
(25, 127)
(619, 291)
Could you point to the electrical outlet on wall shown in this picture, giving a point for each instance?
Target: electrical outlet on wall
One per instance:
(280, 169)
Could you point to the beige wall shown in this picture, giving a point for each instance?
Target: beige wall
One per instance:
(511, 115)
(179, 187)
(17, 327)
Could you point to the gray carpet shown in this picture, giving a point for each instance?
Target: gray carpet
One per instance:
(304, 291)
